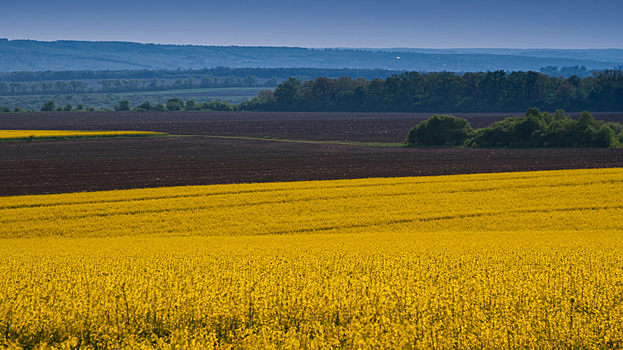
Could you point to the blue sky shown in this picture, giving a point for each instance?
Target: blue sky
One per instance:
(323, 23)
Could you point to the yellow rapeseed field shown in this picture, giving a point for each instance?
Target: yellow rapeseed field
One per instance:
(511, 260)
(9, 135)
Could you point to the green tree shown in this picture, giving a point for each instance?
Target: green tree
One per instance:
(586, 119)
(273, 81)
(605, 138)
(175, 104)
(440, 130)
(124, 105)
(145, 106)
(48, 106)
(287, 93)
(250, 80)
(191, 105)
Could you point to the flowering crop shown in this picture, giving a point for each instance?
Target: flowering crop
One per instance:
(530, 260)
(554, 200)
(17, 135)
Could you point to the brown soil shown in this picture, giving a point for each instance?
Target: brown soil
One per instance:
(107, 164)
(361, 127)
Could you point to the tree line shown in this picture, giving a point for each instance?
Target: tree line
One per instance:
(57, 87)
(446, 91)
(441, 91)
(262, 73)
(146, 74)
(104, 100)
(497, 91)
(173, 104)
(534, 130)
(132, 85)
(155, 84)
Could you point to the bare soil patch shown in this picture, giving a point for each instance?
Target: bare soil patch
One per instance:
(90, 165)
(356, 127)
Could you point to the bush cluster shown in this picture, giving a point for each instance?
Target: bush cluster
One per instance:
(173, 104)
(534, 130)
(440, 130)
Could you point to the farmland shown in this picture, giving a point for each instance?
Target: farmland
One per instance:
(487, 260)
(21, 135)
(317, 126)
(258, 253)
(91, 165)
(530, 201)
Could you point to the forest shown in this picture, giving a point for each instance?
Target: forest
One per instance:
(80, 82)
(497, 91)
(418, 92)
(130, 85)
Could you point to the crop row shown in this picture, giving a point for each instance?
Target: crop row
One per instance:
(512, 260)
(560, 200)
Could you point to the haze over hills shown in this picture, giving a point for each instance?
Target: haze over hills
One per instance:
(30, 55)
(615, 55)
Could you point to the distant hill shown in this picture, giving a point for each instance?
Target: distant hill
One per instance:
(29, 55)
(602, 55)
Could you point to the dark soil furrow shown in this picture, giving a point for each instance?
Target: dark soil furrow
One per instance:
(89, 165)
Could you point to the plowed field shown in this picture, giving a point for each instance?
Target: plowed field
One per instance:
(361, 127)
(89, 165)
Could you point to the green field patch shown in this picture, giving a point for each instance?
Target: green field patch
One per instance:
(251, 90)
(268, 138)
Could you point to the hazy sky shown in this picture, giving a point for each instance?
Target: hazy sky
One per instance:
(323, 23)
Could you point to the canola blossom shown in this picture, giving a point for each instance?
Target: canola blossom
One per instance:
(17, 135)
(553, 200)
(510, 260)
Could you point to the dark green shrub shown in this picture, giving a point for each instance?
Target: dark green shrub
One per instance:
(175, 104)
(440, 130)
(48, 106)
(145, 106)
(605, 138)
(191, 105)
(124, 106)
(534, 130)
(586, 119)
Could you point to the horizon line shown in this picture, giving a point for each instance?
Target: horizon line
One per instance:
(345, 48)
